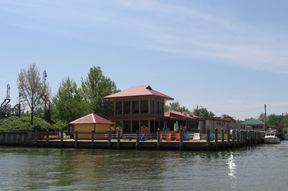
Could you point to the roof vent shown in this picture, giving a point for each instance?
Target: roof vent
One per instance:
(148, 88)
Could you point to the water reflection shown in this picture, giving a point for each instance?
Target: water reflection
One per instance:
(231, 166)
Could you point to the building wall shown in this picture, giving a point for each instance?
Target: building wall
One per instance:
(252, 127)
(85, 130)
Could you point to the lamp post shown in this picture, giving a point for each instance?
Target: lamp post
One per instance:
(197, 109)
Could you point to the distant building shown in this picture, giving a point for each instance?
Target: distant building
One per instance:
(252, 125)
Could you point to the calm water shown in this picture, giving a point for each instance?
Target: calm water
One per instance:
(261, 167)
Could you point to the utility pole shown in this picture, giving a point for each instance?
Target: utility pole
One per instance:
(265, 117)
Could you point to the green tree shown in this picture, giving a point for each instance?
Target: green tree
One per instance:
(284, 120)
(175, 106)
(262, 117)
(94, 88)
(274, 120)
(203, 112)
(32, 89)
(68, 104)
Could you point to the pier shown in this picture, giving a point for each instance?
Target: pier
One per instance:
(113, 141)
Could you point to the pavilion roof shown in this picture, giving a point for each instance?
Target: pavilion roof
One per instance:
(92, 118)
(137, 91)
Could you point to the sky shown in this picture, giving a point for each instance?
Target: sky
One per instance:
(230, 57)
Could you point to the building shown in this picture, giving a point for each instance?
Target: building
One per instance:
(90, 122)
(252, 125)
(225, 123)
(139, 106)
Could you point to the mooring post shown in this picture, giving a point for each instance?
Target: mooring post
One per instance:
(109, 139)
(181, 139)
(137, 139)
(35, 138)
(228, 138)
(158, 139)
(47, 138)
(208, 139)
(118, 139)
(76, 138)
(216, 138)
(61, 133)
(92, 139)
(233, 138)
(237, 138)
(222, 138)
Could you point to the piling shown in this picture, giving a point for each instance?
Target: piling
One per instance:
(233, 138)
(36, 138)
(109, 139)
(216, 138)
(76, 138)
(237, 138)
(92, 139)
(222, 138)
(208, 139)
(181, 139)
(228, 138)
(118, 139)
(47, 138)
(137, 139)
(158, 139)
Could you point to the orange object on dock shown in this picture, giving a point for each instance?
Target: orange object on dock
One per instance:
(161, 137)
(177, 136)
(168, 136)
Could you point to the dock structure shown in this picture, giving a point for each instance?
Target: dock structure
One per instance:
(116, 142)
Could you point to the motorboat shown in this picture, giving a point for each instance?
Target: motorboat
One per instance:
(271, 137)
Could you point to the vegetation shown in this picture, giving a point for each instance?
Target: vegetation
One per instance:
(203, 112)
(175, 106)
(12, 124)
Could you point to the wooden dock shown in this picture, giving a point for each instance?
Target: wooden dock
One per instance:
(238, 139)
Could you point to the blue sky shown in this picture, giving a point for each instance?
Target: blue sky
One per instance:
(231, 57)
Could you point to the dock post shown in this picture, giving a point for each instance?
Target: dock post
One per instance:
(118, 139)
(181, 139)
(222, 138)
(61, 133)
(47, 138)
(228, 138)
(92, 139)
(35, 138)
(216, 138)
(238, 138)
(109, 139)
(208, 139)
(158, 139)
(137, 139)
(233, 138)
(76, 138)
(241, 137)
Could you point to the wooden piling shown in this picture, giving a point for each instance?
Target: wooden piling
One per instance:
(222, 138)
(233, 138)
(109, 139)
(118, 139)
(181, 139)
(76, 138)
(208, 139)
(216, 138)
(158, 139)
(137, 139)
(47, 138)
(228, 138)
(92, 139)
(237, 138)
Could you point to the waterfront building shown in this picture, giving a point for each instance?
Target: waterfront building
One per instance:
(252, 125)
(86, 124)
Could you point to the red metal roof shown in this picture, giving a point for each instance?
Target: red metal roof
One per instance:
(178, 114)
(91, 118)
(137, 91)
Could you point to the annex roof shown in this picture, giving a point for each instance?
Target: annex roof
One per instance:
(137, 91)
(91, 118)
(178, 114)
(252, 121)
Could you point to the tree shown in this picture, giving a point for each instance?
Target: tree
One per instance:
(95, 88)
(274, 120)
(32, 89)
(262, 117)
(175, 106)
(203, 112)
(68, 104)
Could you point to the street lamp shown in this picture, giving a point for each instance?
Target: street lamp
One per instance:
(197, 109)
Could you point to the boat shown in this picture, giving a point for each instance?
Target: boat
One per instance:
(271, 137)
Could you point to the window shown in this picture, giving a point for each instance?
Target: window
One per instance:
(248, 126)
(161, 108)
(242, 126)
(126, 126)
(151, 107)
(135, 107)
(118, 108)
(152, 128)
(156, 125)
(156, 107)
(144, 106)
(135, 126)
(126, 107)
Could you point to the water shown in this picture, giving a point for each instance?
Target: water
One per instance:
(261, 167)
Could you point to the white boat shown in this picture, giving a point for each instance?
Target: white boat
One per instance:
(271, 137)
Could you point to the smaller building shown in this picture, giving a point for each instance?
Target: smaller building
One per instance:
(86, 124)
(252, 125)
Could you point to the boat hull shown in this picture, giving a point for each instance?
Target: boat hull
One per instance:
(272, 140)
